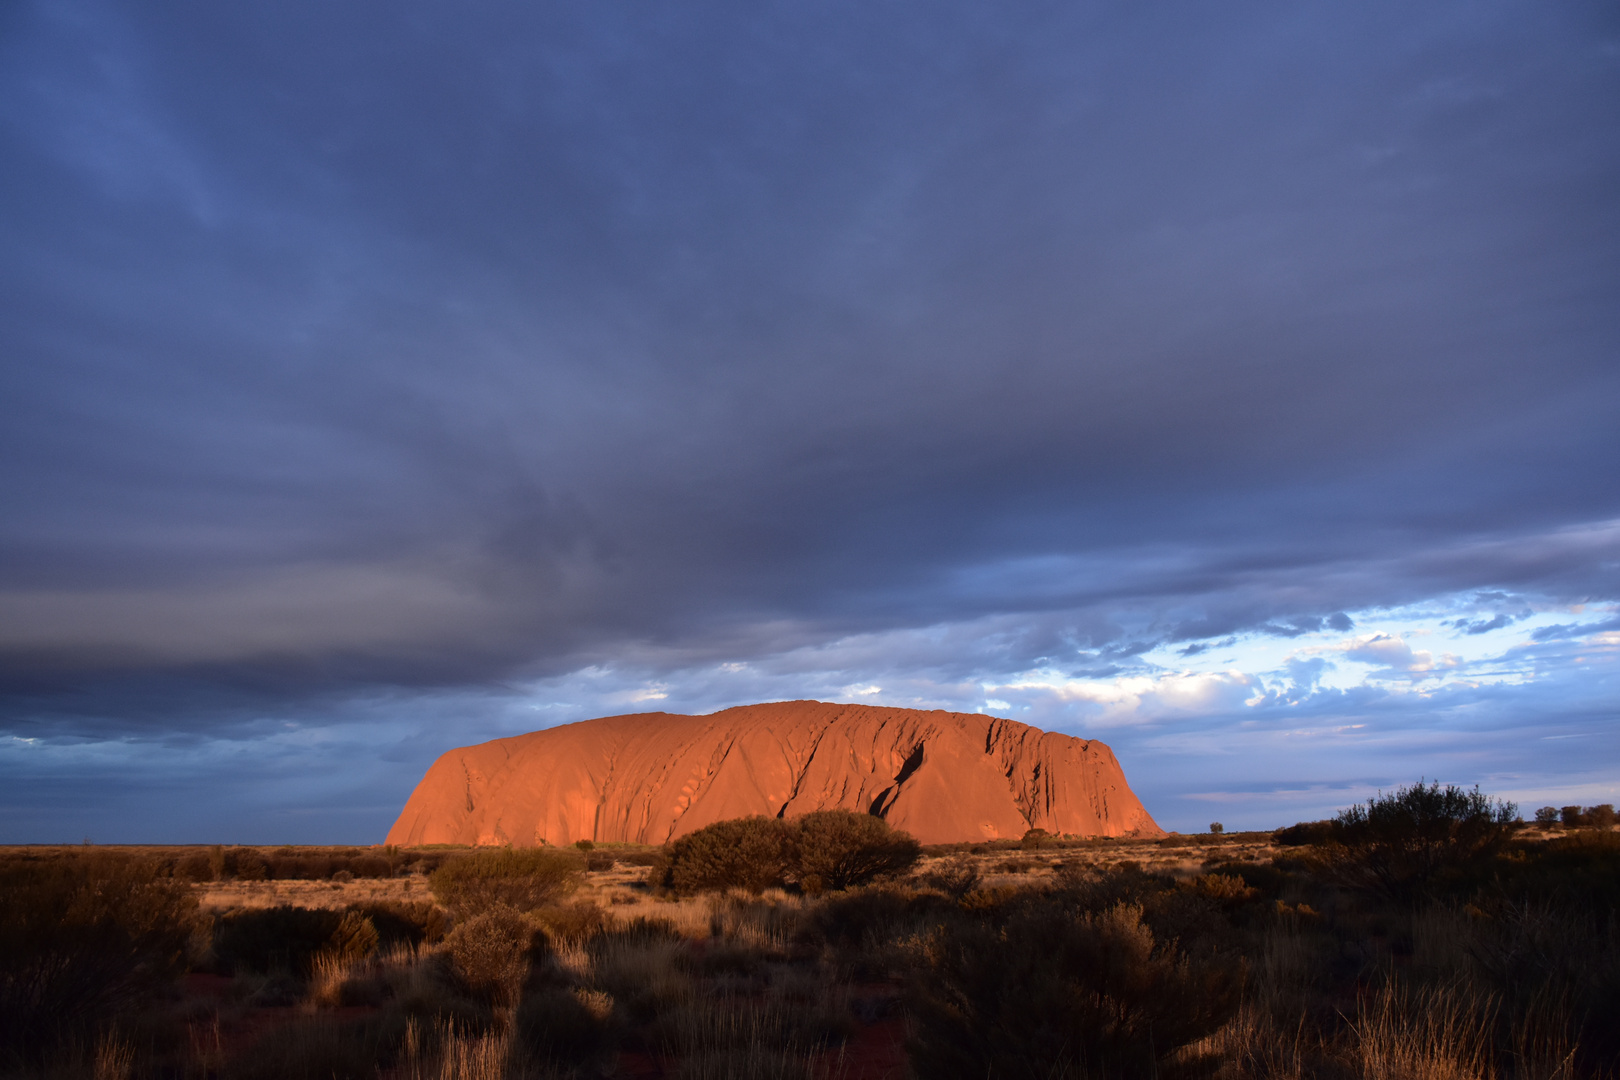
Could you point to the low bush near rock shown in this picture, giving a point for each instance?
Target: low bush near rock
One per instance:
(520, 878)
(838, 849)
(826, 850)
(753, 853)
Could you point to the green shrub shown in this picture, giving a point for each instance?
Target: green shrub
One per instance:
(82, 939)
(840, 849)
(753, 853)
(521, 878)
(1056, 993)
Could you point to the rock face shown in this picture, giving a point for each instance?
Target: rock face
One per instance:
(650, 777)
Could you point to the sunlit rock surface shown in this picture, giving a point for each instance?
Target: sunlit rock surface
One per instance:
(649, 777)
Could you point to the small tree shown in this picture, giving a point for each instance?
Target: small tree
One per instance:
(1572, 816)
(1217, 828)
(1034, 838)
(1601, 815)
(1547, 815)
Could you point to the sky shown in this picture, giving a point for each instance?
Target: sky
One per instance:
(1236, 384)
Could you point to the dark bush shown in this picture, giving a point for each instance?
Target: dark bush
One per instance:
(1579, 872)
(196, 867)
(411, 923)
(1034, 838)
(1304, 834)
(555, 1027)
(868, 919)
(828, 849)
(245, 864)
(840, 849)
(1601, 816)
(1572, 816)
(354, 938)
(371, 866)
(1410, 842)
(1547, 815)
(641, 931)
(265, 940)
(1056, 993)
(574, 923)
(753, 853)
(82, 938)
(638, 856)
(525, 879)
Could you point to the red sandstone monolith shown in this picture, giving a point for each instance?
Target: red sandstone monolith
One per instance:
(649, 777)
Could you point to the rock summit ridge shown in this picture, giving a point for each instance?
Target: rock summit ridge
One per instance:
(650, 777)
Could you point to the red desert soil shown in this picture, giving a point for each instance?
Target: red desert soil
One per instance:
(649, 777)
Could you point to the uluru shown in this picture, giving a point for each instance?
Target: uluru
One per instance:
(650, 777)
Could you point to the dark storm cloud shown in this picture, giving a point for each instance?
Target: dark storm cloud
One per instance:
(353, 350)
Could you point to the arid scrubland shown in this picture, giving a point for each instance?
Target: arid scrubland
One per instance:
(1424, 937)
